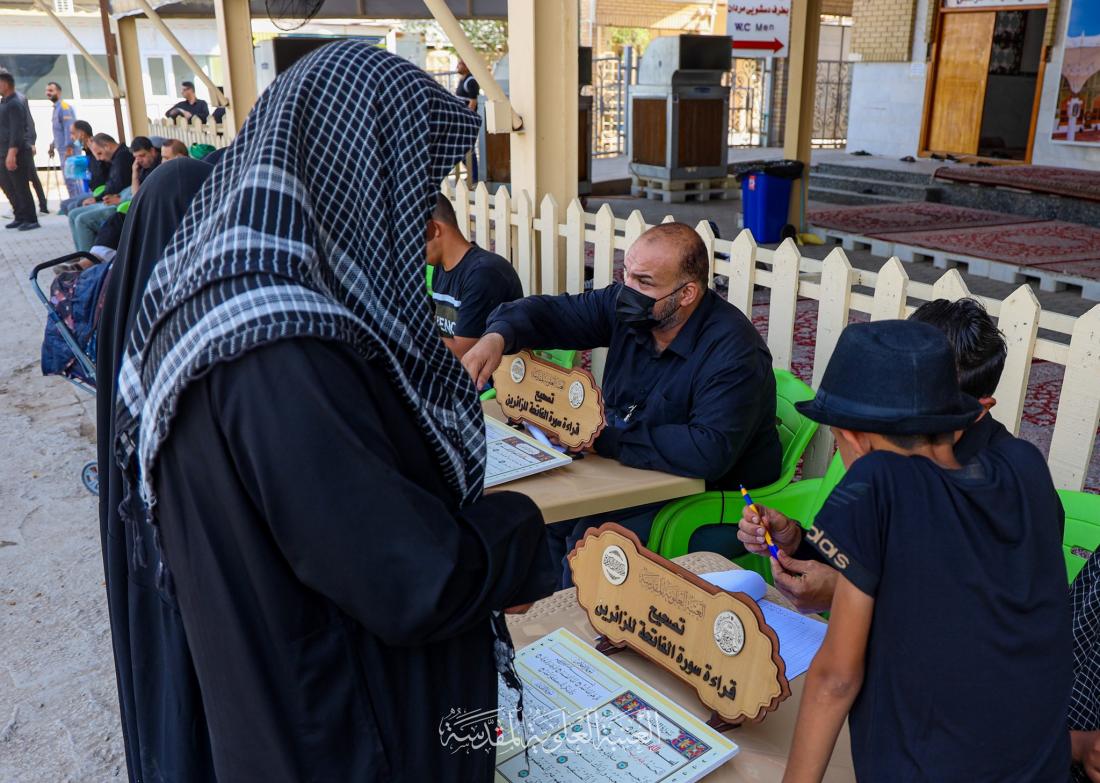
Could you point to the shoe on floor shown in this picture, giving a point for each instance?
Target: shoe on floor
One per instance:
(14, 224)
(30, 226)
(43, 210)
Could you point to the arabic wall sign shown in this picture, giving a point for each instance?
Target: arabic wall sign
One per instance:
(716, 642)
(565, 403)
(759, 28)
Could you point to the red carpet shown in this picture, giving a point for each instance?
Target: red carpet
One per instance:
(1075, 183)
(915, 216)
(1030, 244)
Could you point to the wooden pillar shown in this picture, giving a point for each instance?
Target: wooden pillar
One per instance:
(131, 73)
(801, 87)
(543, 89)
(112, 67)
(235, 40)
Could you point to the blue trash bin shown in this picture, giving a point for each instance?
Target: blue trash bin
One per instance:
(766, 199)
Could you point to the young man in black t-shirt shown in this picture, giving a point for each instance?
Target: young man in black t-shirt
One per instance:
(468, 282)
(948, 646)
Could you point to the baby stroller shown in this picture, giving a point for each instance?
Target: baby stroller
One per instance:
(74, 305)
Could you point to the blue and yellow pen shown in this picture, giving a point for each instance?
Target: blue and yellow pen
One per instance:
(763, 522)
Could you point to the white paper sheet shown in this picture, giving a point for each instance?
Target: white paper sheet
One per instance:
(511, 454)
(800, 637)
(739, 580)
(588, 719)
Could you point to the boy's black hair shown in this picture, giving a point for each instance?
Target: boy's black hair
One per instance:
(444, 211)
(141, 143)
(83, 126)
(980, 348)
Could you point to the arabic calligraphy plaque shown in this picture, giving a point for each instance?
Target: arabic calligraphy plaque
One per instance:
(715, 641)
(565, 403)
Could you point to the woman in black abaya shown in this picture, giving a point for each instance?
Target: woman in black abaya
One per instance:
(311, 455)
(163, 725)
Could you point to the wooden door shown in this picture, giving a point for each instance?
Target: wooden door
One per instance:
(962, 70)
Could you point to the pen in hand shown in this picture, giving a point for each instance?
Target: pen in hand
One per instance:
(763, 522)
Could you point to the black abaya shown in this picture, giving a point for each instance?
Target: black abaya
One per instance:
(336, 600)
(163, 725)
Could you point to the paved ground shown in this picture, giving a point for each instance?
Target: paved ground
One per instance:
(58, 702)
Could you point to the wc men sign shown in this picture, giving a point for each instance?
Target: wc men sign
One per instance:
(759, 28)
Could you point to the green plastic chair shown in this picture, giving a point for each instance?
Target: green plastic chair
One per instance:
(200, 151)
(429, 272)
(675, 523)
(1082, 534)
(558, 356)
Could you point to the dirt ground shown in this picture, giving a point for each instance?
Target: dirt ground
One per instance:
(59, 718)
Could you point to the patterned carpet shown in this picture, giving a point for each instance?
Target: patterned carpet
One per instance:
(915, 216)
(1030, 244)
(1075, 183)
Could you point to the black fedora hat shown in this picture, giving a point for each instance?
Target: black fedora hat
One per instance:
(892, 378)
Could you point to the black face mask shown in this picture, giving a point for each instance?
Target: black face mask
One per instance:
(635, 309)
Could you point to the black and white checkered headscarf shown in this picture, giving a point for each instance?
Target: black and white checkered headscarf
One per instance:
(1084, 701)
(313, 224)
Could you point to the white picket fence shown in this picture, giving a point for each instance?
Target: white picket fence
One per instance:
(193, 131)
(547, 249)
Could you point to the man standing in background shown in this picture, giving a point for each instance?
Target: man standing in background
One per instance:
(18, 160)
(468, 89)
(62, 144)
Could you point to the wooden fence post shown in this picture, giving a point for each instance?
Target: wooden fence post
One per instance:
(462, 207)
(603, 270)
(553, 277)
(742, 272)
(832, 318)
(1074, 437)
(784, 302)
(706, 233)
(635, 227)
(950, 286)
(891, 287)
(574, 247)
(481, 215)
(525, 245)
(1019, 322)
(502, 211)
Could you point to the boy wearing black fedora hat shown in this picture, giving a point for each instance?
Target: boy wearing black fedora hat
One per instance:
(948, 645)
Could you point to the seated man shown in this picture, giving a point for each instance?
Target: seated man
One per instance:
(468, 283)
(980, 352)
(85, 220)
(190, 106)
(81, 134)
(688, 386)
(172, 149)
(146, 158)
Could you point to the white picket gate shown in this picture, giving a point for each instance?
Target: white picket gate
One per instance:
(548, 252)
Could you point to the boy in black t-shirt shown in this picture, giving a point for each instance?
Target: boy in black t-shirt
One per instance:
(948, 645)
(468, 283)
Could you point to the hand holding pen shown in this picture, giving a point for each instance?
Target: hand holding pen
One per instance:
(759, 524)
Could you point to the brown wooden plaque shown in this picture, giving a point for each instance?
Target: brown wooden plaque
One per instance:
(715, 641)
(564, 403)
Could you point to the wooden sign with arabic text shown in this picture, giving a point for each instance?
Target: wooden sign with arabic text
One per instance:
(715, 641)
(564, 403)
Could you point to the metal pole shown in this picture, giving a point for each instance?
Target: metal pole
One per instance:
(112, 66)
(154, 17)
(628, 74)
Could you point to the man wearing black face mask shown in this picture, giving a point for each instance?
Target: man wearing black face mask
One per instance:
(688, 384)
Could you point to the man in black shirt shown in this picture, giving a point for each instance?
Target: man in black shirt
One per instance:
(688, 384)
(84, 221)
(15, 174)
(468, 89)
(469, 282)
(190, 106)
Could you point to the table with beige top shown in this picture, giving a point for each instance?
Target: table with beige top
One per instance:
(595, 485)
(763, 746)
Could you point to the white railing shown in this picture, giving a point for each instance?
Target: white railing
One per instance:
(193, 131)
(547, 249)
